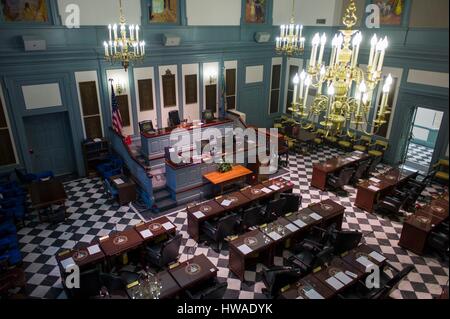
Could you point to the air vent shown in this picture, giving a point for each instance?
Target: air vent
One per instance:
(321, 21)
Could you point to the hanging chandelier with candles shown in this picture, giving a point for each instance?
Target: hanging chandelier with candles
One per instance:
(291, 41)
(124, 45)
(344, 91)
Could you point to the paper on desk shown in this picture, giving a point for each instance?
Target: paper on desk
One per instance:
(378, 257)
(292, 227)
(343, 278)
(274, 235)
(245, 249)
(97, 140)
(119, 181)
(226, 203)
(315, 216)
(146, 233)
(336, 284)
(376, 189)
(198, 214)
(93, 250)
(350, 274)
(66, 263)
(365, 262)
(275, 188)
(300, 223)
(375, 180)
(266, 190)
(168, 226)
(312, 294)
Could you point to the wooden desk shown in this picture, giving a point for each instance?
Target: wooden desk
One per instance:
(155, 229)
(45, 194)
(322, 170)
(330, 211)
(280, 230)
(221, 179)
(337, 266)
(303, 219)
(306, 288)
(126, 189)
(85, 257)
(372, 190)
(418, 227)
(236, 199)
(170, 288)
(364, 251)
(197, 214)
(120, 243)
(251, 247)
(279, 185)
(255, 193)
(193, 272)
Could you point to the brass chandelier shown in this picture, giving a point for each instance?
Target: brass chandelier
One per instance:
(291, 41)
(344, 91)
(124, 45)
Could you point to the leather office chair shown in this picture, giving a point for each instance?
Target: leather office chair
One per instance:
(311, 258)
(221, 229)
(253, 216)
(387, 285)
(207, 116)
(293, 203)
(373, 165)
(392, 204)
(92, 282)
(174, 118)
(276, 278)
(336, 182)
(274, 209)
(211, 291)
(360, 171)
(343, 241)
(26, 178)
(414, 189)
(164, 253)
(438, 241)
(146, 126)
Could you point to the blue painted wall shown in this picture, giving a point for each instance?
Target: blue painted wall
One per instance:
(72, 50)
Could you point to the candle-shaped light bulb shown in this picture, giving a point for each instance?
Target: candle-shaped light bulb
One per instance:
(295, 81)
(362, 87)
(315, 43)
(339, 42)
(297, 30)
(322, 71)
(389, 80)
(137, 33)
(386, 88)
(323, 41)
(110, 32)
(373, 44)
(382, 48)
(302, 80)
(115, 31)
(331, 90)
(105, 44)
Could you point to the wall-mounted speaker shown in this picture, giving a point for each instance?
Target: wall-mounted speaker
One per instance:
(170, 40)
(262, 37)
(32, 43)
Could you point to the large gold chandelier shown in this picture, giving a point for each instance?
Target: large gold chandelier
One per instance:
(291, 41)
(124, 44)
(344, 90)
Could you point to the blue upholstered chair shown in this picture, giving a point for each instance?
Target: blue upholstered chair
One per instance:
(11, 257)
(26, 178)
(111, 168)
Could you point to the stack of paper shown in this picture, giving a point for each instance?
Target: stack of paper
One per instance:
(275, 188)
(336, 284)
(312, 294)
(93, 250)
(299, 223)
(275, 236)
(315, 216)
(291, 227)
(245, 249)
(66, 263)
(266, 190)
(365, 262)
(378, 257)
(168, 226)
(119, 181)
(373, 188)
(146, 233)
(343, 278)
(198, 214)
(226, 203)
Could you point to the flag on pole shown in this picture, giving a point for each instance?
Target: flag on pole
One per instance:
(116, 117)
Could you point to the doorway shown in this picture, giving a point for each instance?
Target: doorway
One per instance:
(50, 143)
(423, 138)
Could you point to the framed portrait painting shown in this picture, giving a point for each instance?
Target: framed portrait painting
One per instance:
(255, 11)
(25, 11)
(163, 11)
(391, 11)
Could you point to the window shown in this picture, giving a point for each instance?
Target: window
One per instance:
(275, 89)
(7, 156)
(91, 110)
(145, 95)
(230, 94)
(293, 70)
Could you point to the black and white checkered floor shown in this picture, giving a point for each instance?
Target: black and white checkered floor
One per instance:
(94, 215)
(419, 154)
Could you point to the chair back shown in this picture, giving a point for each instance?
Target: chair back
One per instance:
(146, 126)
(170, 250)
(346, 240)
(174, 118)
(373, 165)
(293, 202)
(362, 169)
(275, 209)
(278, 277)
(90, 284)
(252, 217)
(216, 292)
(345, 176)
(226, 226)
(366, 139)
(323, 257)
(381, 145)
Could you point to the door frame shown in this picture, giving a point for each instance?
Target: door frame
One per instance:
(68, 102)
(410, 100)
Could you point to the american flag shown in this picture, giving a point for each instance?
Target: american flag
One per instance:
(116, 117)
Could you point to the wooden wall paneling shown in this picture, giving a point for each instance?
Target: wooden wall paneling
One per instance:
(211, 97)
(124, 109)
(89, 98)
(146, 95)
(191, 89)
(169, 89)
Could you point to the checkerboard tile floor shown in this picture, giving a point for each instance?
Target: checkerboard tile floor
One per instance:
(93, 215)
(419, 154)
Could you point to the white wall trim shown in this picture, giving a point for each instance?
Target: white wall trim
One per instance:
(438, 79)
